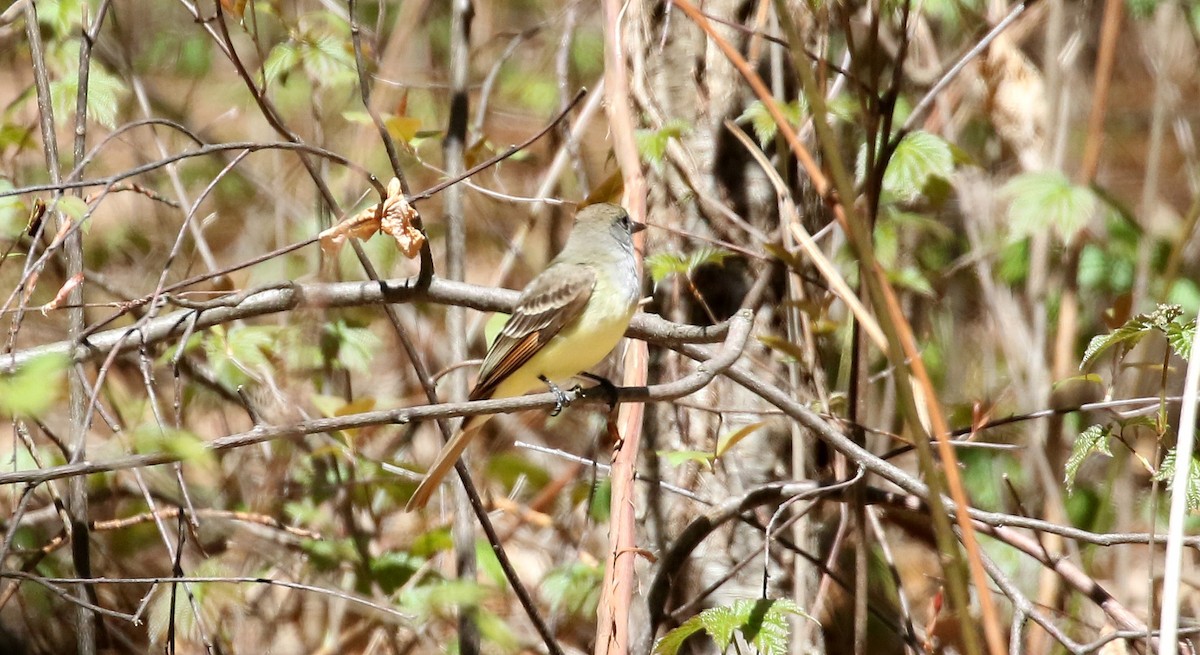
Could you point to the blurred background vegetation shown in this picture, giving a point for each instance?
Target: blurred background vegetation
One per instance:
(1036, 221)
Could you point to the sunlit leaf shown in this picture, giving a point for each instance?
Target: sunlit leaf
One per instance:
(1048, 201)
(730, 440)
(762, 623)
(918, 158)
(1092, 440)
(1166, 473)
(652, 144)
(34, 387)
(574, 588)
(764, 125)
(1164, 319)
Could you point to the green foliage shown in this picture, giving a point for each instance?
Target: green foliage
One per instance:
(392, 569)
(236, 354)
(574, 588)
(665, 264)
(320, 47)
(442, 597)
(35, 387)
(676, 458)
(349, 347)
(761, 623)
(489, 563)
(764, 125)
(652, 144)
(1095, 439)
(587, 53)
(153, 439)
(1048, 201)
(72, 206)
(1166, 472)
(1166, 319)
(919, 158)
(61, 16)
(105, 90)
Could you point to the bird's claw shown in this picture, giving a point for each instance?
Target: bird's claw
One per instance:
(560, 398)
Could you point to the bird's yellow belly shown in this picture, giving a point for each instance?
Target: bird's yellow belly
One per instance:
(576, 349)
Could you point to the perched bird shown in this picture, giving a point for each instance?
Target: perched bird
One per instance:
(566, 321)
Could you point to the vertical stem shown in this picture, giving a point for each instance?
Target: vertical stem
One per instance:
(463, 529)
(77, 499)
(612, 633)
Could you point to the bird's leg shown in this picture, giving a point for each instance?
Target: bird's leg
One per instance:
(560, 398)
(605, 385)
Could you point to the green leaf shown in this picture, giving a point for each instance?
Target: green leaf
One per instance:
(1180, 336)
(489, 563)
(282, 60)
(730, 440)
(764, 125)
(918, 158)
(679, 457)
(574, 588)
(587, 53)
(185, 445)
(652, 144)
(1163, 319)
(35, 387)
(443, 597)
(1166, 473)
(73, 206)
(665, 264)
(762, 623)
(104, 89)
(13, 212)
(1092, 440)
(394, 568)
(1048, 200)
(355, 348)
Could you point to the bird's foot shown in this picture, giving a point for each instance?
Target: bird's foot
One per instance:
(606, 386)
(560, 398)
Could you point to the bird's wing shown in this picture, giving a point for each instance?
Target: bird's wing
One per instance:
(550, 301)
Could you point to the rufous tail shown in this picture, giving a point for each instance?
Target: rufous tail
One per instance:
(445, 462)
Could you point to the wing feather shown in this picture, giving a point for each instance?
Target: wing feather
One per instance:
(551, 301)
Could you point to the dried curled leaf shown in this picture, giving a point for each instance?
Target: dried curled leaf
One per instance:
(394, 216)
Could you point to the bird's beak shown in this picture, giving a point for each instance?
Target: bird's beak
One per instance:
(635, 227)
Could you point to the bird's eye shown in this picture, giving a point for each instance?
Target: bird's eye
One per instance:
(625, 221)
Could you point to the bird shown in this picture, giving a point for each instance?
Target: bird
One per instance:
(566, 320)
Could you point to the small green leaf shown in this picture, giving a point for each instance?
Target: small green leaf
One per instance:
(730, 440)
(918, 158)
(35, 387)
(394, 568)
(762, 623)
(73, 206)
(652, 144)
(1180, 336)
(574, 588)
(764, 125)
(489, 563)
(1048, 200)
(665, 264)
(679, 457)
(1163, 319)
(187, 446)
(1092, 440)
(282, 60)
(1166, 473)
